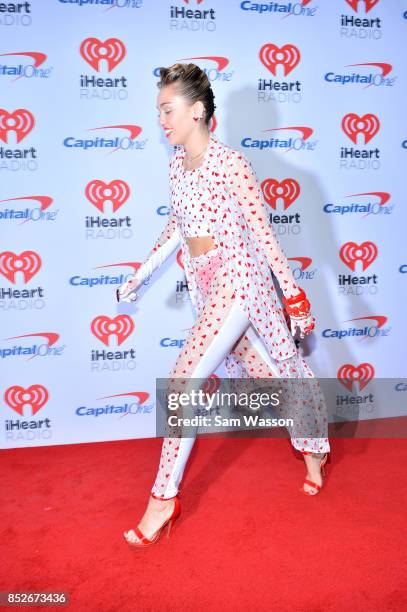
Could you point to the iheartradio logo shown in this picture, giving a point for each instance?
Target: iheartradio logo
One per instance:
(287, 190)
(28, 262)
(353, 125)
(369, 4)
(103, 327)
(94, 51)
(18, 398)
(272, 56)
(350, 253)
(360, 375)
(211, 385)
(21, 121)
(98, 193)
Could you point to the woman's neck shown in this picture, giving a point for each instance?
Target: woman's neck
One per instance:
(196, 145)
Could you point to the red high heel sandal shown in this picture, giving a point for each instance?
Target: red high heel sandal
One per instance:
(311, 483)
(142, 540)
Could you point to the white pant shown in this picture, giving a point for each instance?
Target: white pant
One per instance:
(236, 323)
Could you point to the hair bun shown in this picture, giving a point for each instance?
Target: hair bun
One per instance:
(192, 83)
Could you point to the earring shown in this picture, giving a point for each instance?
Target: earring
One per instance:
(197, 118)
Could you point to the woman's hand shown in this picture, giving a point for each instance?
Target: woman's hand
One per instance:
(305, 325)
(127, 291)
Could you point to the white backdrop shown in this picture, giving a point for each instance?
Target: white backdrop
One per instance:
(312, 92)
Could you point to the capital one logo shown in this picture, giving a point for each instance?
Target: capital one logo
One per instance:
(369, 4)
(287, 56)
(21, 121)
(140, 396)
(287, 190)
(103, 327)
(50, 339)
(353, 125)
(306, 132)
(39, 58)
(361, 375)
(28, 262)
(44, 202)
(350, 253)
(98, 193)
(221, 61)
(35, 396)
(94, 50)
(304, 262)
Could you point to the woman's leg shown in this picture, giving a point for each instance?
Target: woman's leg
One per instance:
(222, 327)
(220, 323)
(303, 400)
(213, 336)
(218, 327)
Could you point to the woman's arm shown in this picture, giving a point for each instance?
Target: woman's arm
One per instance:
(165, 244)
(243, 185)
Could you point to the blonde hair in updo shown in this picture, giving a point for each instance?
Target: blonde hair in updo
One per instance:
(192, 83)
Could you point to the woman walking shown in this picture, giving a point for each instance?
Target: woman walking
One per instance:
(228, 246)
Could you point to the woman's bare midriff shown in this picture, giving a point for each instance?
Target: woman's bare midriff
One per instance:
(198, 245)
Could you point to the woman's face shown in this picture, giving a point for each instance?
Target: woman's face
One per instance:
(175, 114)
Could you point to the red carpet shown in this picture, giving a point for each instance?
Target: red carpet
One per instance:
(246, 539)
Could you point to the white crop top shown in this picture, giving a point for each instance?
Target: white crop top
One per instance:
(189, 200)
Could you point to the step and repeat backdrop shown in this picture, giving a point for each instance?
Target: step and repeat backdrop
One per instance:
(312, 92)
